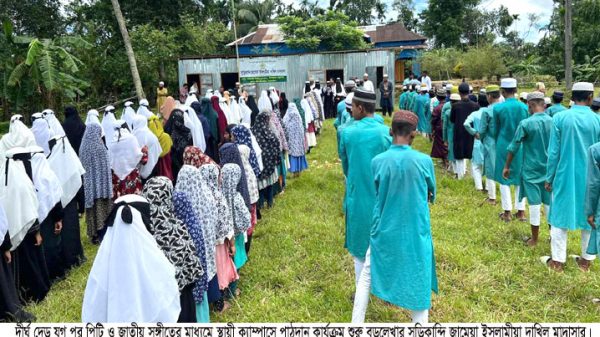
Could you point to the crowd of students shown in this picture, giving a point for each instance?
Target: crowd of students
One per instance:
(172, 199)
(530, 142)
(174, 203)
(550, 154)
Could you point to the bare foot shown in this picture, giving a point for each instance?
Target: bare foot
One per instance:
(531, 242)
(226, 306)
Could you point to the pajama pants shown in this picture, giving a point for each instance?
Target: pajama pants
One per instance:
(363, 290)
(358, 267)
(490, 186)
(535, 214)
(507, 201)
(461, 168)
(476, 172)
(387, 107)
(558, 244)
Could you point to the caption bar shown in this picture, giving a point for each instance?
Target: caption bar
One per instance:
(300, 330)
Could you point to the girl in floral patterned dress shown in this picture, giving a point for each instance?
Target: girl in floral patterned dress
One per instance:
(125, 156)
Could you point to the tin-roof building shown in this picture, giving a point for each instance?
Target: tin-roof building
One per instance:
(266, 60)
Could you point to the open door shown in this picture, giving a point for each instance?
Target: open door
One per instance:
(335, 73)
(399, 71)
(228, 80)
(376, 76)
(193, 78)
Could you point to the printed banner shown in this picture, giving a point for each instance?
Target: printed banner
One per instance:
(263, 70)
(300, 330)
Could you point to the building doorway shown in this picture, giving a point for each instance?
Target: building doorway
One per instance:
(228, 80)
(333, 74)
(191, 79)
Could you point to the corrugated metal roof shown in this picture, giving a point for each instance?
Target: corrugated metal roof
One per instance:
(271, 33)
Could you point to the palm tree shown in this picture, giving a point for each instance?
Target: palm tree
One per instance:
(252, 14)
(128, 49)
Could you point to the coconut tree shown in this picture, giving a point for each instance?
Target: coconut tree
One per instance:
(128, 49)
(254, 13)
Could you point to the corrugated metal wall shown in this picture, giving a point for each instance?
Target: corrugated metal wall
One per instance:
(298, 66)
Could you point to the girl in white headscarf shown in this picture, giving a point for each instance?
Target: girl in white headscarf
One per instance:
(146, 139)
(21, 204)
(18, 136)
(274, 96)
(191, 98)
(224, 104)
(42, 132)
(66, 165)
(192, 122)
(112, 295)
(53, 122)
(109, 122)
(143, 109)
(245, 112)
(92, 117)
(18, 198)
(235, 111)
(50, 211)
(264, 102)
(125, 156)
(128, 113)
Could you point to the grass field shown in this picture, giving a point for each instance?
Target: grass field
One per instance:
(300, 272)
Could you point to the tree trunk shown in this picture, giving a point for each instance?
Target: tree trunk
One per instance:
(161, 70)
(129, 50)
(568, 44)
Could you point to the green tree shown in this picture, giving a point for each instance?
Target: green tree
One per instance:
(440, 63)
(157, 51)
(482, 62)
(528, 66)
(306, 9)
(40, 18)
(443, 21)
(50, 72)
(481, 26)
(331, 31)
(406, 10)
(365, 12)
(253, 13)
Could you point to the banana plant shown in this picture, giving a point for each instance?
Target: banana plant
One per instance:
(50, 70)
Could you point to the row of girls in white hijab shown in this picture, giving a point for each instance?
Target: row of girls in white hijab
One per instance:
(40, 197)
(195, 209)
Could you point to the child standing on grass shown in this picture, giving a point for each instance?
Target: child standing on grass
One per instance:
(360, 142)
(400, 263)
(534, 134)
